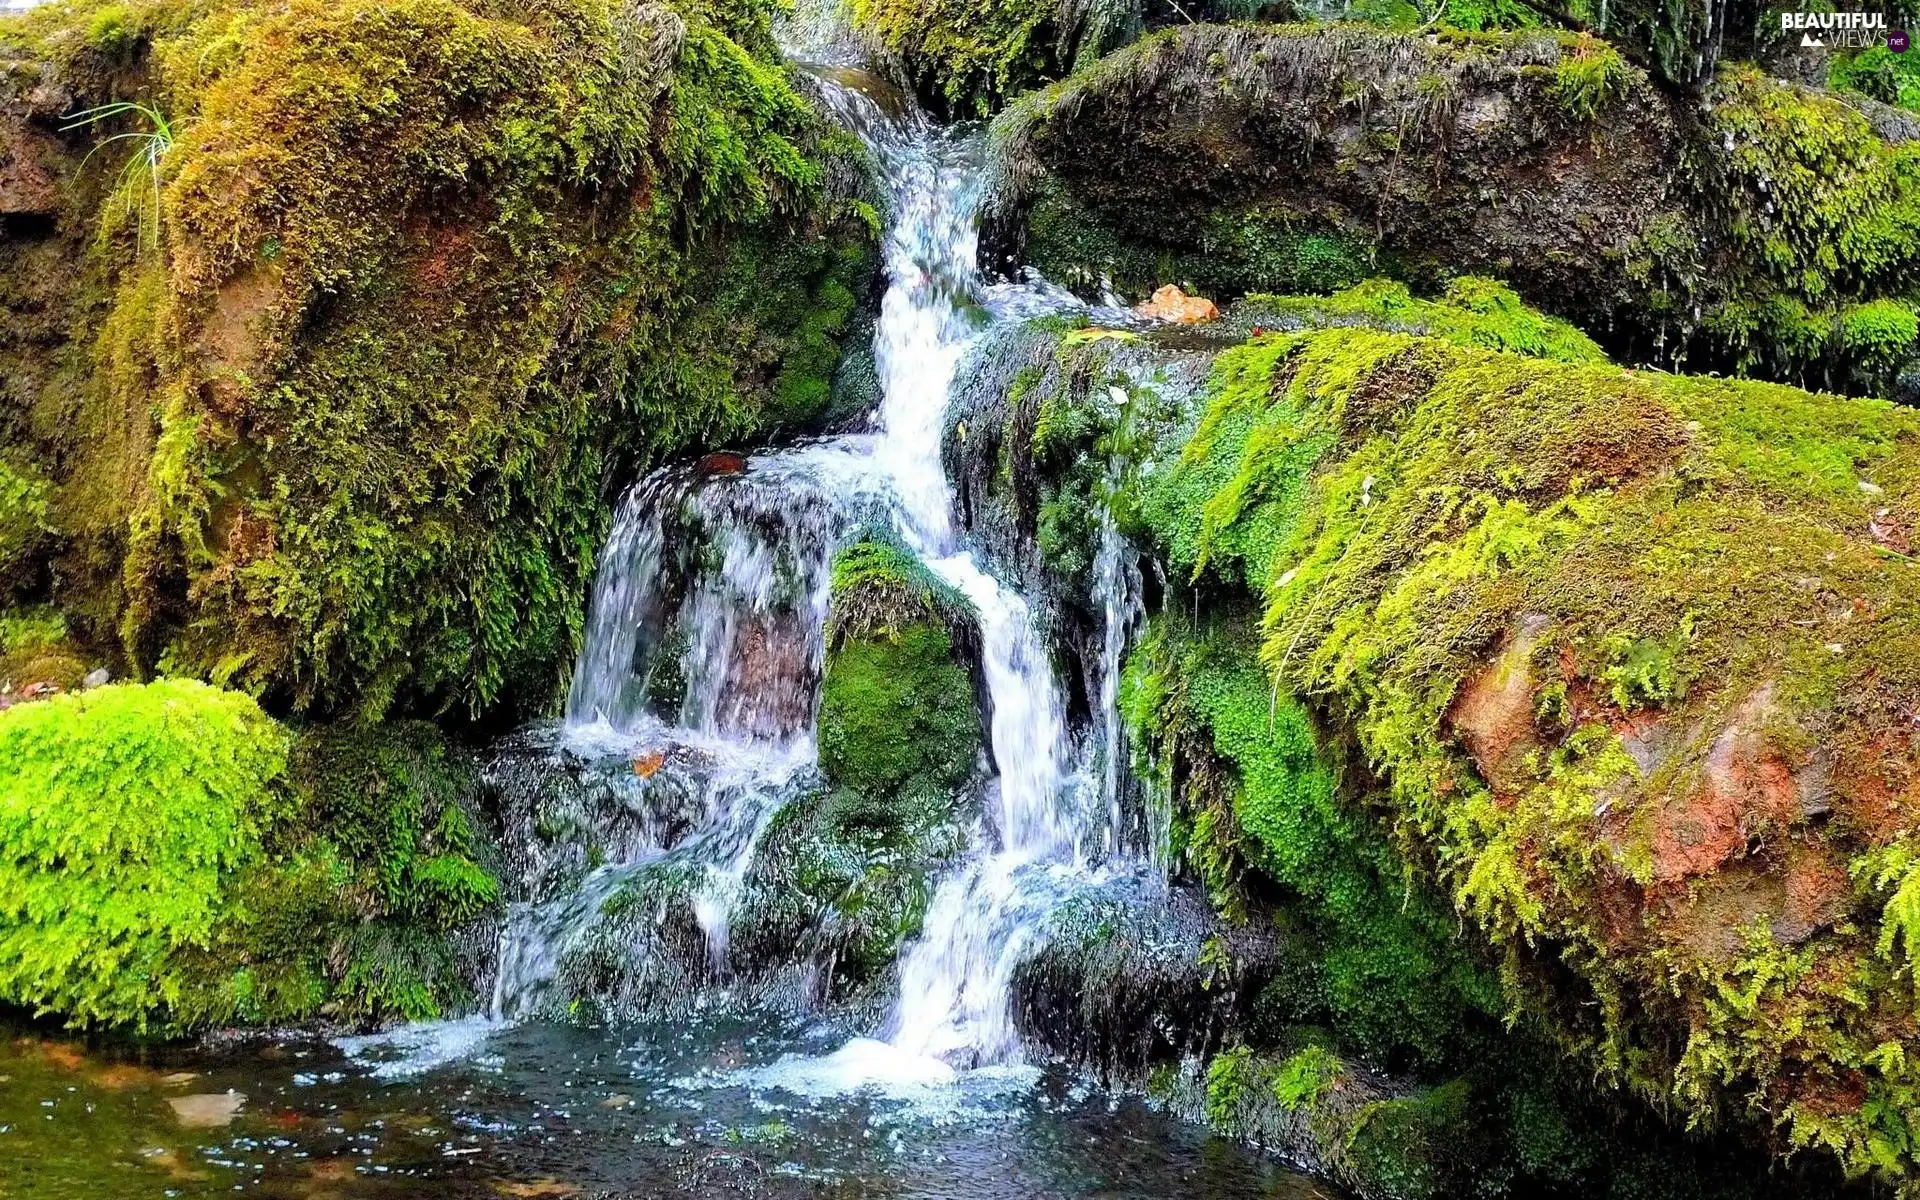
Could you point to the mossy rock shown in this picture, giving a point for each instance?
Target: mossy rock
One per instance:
(211, 868)
(1587, 624)
(897, 709)
(430, 275)
(1761, 228)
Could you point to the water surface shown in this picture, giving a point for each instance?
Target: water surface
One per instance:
(545, 1110)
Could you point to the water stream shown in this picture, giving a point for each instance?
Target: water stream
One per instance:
(705, 641)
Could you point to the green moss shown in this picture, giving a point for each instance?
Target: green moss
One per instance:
(879, 590)
(896, 713)
(23, 521)
(973, 56)
(427, 274)
(845, 876)
(1413, 1148)
(1408, 508)
(203, 867)
(1589, 76)
(124, 813)
(1471, 312)
(1823, 214)
(1390, 972)
(1877, 72)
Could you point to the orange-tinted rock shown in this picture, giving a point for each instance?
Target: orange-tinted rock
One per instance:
(1743, 787)
(1171, 304)
(722, 462)
(1493, 714)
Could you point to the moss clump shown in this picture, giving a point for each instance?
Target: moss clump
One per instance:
(842, 877)
(1471, 312)
(425, 275)
(395, 805)
(179, 860)
(896, 705)
(124, 814)
(1822, 217)
(973, 56)
(35, 650)
(1878, 73)
(1575, 616)
(1258, 806)
(23, 521)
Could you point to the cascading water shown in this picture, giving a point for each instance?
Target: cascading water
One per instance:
(704, 649)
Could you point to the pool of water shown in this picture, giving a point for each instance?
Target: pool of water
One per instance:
(700, 1108)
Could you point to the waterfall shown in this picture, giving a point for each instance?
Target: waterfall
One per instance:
(704, 645)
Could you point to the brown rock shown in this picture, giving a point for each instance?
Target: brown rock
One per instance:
(26, 187)
(1171, 304)
(1493, 714)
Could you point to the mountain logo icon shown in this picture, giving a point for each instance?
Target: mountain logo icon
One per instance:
(1807, 39)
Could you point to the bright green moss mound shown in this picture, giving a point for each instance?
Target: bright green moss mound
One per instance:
(415, 280)
(1471, 312)
(1633, 654)
(124, 813)
(173, 859)
(896, 705)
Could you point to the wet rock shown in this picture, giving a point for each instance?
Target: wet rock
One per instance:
(1130, 976)
(1289, 159)
(27, 186)
(98, 677)
(1238, 153)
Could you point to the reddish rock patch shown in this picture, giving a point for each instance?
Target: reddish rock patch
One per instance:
(27, 189)
(1493, 713)
(1741, 788)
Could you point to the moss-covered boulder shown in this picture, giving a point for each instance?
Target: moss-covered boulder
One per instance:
(326, 363)
(176, 859)
(1530, 689)
(897, 710)
(1765, 228)
(1630, 650)
(900, 745)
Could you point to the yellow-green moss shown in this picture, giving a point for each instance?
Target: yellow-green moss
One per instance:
(1721, 563)
(425, 275)
(975, 54)
(1821, 215)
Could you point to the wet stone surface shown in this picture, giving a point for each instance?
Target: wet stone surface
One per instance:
(541, 1110)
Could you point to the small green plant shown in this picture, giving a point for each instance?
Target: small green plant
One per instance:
(151, 146)
(1306, 1077)
(1589, 76)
